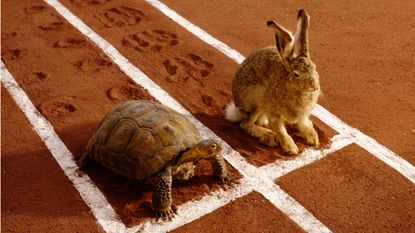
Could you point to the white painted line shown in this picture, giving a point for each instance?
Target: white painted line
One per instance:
(369, 144)
(251, 173)
(308, 156)
(197, 31)
(95, 200)
(290, 207)
(193, 210)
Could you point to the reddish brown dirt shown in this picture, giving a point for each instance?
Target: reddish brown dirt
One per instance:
(266, 218)
(74, 84)
(36, 196)
(351, 191)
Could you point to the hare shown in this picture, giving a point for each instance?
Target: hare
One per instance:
(276, 87)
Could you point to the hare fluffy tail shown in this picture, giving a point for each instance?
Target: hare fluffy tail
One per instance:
(233, 114)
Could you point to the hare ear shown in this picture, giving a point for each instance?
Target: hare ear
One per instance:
(301, 34)
(284, 39)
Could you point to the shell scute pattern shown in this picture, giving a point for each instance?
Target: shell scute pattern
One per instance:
(132, 108)
(119, 163)
(121, 135)
(143, 151)
(150, 119)
(138, 138)
(142, 143)
(106, 126)
(189, 133)
(167, 134)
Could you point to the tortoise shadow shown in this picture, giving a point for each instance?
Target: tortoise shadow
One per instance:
(131, 199)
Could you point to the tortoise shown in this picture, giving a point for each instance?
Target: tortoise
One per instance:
(147, 141)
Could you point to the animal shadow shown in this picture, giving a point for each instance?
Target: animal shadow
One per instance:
(131, 199)
(247, 145)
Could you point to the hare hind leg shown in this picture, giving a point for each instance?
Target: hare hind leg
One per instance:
(307, 131)
(266, 136)
(286, 142)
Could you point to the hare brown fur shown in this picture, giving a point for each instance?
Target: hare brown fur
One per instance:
(277, 87)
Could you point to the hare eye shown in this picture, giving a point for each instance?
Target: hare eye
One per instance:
(296, 74)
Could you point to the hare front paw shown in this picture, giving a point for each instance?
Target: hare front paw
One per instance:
(307, 131)
(289, 146)
(311, 137)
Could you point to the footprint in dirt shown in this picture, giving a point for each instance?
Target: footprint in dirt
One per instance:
(208, 100)
(92, 65)
(184, 67)
(52, 26)
(6, 36)
(127, 92)
(120, 17)
(98, 2)
(35, 9)
(41, 76)
(34, 78)
(70, 43)
(152, 41)
(58, 107)
(12, 54)
(227, 94)
(76, 2)
(89, 2)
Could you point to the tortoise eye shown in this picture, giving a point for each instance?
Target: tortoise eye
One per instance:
(213, 146)
(296, 74)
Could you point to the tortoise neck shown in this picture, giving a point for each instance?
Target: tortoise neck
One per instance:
(188, 155)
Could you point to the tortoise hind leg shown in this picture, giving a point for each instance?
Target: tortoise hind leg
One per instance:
(162, 198)
(84, 162)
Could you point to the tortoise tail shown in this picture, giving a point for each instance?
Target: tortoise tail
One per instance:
(85, 160)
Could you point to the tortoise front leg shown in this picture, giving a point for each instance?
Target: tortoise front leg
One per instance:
(219, 168)
(162, 198)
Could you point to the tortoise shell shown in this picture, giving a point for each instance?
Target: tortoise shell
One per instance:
(138, 138)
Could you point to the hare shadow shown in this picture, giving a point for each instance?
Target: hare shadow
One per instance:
(249, 146)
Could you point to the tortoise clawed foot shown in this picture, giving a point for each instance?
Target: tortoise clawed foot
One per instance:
(166, 214)
(225, 178)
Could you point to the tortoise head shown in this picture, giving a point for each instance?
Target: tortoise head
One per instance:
(203, 150)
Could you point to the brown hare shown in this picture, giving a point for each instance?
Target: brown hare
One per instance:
(277, 87)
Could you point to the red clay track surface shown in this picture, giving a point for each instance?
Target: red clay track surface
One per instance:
(364, 55)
